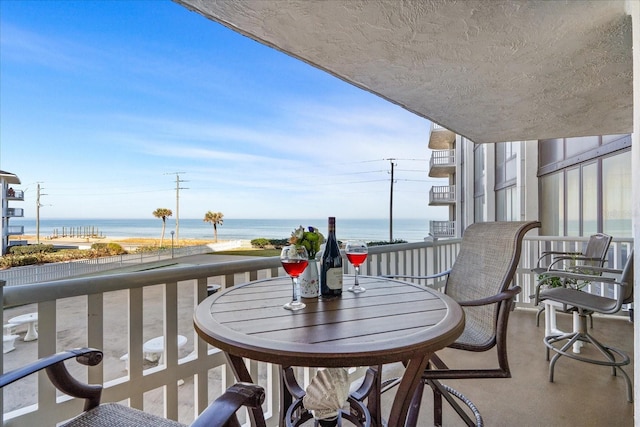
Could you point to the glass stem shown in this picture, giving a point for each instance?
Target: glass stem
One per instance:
(357, 273)
(296, 293)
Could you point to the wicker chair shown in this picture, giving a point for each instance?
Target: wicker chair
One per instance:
(586, 304)
(221, 413)
(480, 280)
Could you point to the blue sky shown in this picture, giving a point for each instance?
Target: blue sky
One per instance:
(103, 101)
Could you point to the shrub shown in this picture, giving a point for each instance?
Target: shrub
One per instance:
(102, 249)
(31, 249)
(260, 243)
(115, 249)
(385, 242)
(145, 249)
(279, 243)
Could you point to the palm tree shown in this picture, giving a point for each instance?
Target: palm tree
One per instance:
(162, 213)
(214, 218)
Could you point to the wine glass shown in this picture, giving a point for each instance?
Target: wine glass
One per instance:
(356, 251)
(294, 260)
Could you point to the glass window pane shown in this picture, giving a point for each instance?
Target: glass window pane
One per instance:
(589, 199)
(573, 202)
(479, 209)
(552, 204)
(616, 195)
(500, 205)
(514, 203)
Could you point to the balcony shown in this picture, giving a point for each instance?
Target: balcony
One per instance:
(442, 229)
(441, 138)
(14, 194)
(14, 213)
(441, 195)
(14, 230)
(118, 313)
(442, 163)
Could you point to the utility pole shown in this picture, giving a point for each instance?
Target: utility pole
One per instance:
(178, 188)
(38, 206)
(391, 203)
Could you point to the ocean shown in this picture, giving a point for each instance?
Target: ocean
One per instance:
(411, 230)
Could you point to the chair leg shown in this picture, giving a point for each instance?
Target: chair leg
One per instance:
(414, 407)
(609, 353)
(540, 310)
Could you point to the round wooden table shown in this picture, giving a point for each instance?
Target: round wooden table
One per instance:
(392, 321)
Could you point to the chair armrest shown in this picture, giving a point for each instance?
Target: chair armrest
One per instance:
(575, 258)
(562, 274)
(403, 276)
(502, 296)
(553, 254)
(60, 376)
(225, 407)
(568, 275)
(595, 270)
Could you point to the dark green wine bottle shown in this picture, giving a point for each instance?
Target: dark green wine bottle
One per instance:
(331, 265)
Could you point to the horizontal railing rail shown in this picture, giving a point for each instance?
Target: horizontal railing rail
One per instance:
(118, 312)
(60, 270)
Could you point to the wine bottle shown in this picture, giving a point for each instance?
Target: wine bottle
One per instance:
(331, 266)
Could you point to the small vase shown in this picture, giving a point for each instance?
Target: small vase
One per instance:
(310, 281)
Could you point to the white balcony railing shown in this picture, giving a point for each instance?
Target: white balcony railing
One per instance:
(442, 194)
(12, 194)
(79, 310)
(14, 212)
(13, 230)
(443, 158)
(442, 229)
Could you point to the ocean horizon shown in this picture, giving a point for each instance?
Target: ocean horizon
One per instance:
(411, 230)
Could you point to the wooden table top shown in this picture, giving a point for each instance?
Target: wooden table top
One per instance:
(392, 321)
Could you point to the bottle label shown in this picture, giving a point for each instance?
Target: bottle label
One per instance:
(334, 278)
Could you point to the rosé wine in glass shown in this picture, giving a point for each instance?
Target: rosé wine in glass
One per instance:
(294, 260)
(356, 251)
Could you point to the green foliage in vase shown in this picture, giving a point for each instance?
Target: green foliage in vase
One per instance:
(311, 239)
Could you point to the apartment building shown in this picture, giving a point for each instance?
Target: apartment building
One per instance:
(575, 186)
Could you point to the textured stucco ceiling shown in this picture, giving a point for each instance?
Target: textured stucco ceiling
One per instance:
(489, 70)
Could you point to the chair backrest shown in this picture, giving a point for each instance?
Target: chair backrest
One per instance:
(485, 266)
(597, 248)
(627, 278)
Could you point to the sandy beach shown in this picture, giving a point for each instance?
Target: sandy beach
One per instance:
(129, 243)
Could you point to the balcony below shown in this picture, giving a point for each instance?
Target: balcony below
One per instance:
(14, 194)
(442, 229)
(441, 138)
(442, 163)
(14, 230)
(441, 195)
(14, 213)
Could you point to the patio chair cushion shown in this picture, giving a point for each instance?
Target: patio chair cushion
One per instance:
(115, 415)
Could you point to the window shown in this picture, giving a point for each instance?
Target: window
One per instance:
(507, 204)
(478, 184)
(587, 198)
(616, 195)
(552, 204)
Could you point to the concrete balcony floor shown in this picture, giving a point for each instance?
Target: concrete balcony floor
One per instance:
(582, 394)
